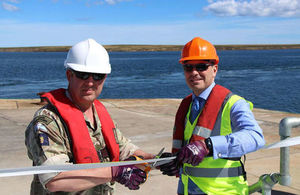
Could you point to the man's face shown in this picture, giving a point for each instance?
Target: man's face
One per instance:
(84, 91)
(199, 80)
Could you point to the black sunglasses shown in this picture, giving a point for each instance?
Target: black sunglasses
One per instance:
(86, 75)
(199, 67)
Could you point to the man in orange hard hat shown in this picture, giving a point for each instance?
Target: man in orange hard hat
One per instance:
(213, 129)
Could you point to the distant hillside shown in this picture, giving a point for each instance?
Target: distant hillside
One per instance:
(148, 48)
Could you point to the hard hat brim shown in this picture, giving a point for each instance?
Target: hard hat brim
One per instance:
(83, 68)
(182, 60)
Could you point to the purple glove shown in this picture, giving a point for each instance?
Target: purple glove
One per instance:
(171, 168)
(128, 175)
(193, 153)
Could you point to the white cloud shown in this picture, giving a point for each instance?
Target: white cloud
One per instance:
(101, 2)
(279, 8)
(88, 3)
(13, 1)
(112, 2)
(9, 7)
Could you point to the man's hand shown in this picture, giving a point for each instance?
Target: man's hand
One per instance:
(193, 153)
(129, 175)
(171, 168)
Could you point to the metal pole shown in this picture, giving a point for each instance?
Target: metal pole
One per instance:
(285, 126)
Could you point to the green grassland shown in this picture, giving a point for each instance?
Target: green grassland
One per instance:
(125, 48)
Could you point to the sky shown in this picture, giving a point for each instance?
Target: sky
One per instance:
(26, 23)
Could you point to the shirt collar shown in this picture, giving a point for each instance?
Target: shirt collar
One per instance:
(206, 92)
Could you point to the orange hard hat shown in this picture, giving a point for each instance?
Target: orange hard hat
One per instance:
(199, 49)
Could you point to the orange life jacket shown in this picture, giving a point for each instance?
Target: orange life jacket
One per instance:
(82, 146)
(207, 117)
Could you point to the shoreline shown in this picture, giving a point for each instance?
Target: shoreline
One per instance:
(17, 104)
(140, 48)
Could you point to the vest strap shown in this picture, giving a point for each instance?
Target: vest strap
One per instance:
(213, 172)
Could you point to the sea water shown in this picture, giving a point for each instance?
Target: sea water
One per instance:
(268, 78)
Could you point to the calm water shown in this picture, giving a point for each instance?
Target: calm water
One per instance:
(268, 78)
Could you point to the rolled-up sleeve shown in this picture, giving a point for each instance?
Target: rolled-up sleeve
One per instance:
(54, 160)
(46, 143)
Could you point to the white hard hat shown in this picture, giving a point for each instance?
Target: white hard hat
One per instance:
(88, 56)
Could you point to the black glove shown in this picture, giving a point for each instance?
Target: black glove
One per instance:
(171, 168)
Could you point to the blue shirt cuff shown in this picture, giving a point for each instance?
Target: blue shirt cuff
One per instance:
(220, 146)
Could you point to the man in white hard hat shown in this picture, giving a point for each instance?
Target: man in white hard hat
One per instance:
(74, 127)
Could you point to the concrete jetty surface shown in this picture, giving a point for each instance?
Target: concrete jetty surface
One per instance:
(148, 123)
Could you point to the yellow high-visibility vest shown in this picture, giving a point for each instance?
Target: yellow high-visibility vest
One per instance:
(215, 176)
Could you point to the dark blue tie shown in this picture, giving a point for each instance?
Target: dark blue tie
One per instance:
(197, 105)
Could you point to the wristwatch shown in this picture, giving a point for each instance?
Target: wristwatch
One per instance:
(209, 146)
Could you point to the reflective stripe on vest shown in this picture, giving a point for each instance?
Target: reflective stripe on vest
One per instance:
(215, 172)
(202, 131)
